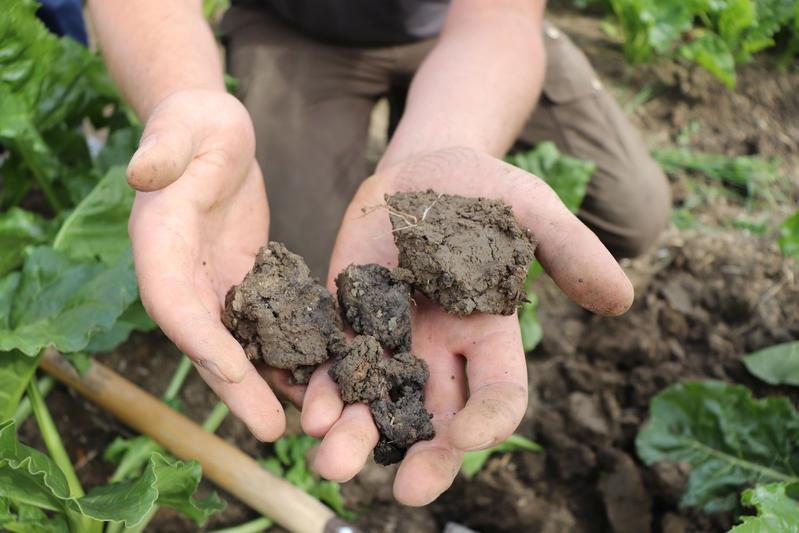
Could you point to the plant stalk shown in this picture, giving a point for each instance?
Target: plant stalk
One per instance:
(253, 526)
(45, 385)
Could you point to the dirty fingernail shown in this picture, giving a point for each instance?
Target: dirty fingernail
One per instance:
(213, 368)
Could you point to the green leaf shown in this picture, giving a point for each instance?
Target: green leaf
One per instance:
(711, 52)
(27, 475)
(30, 477)
(16, 370)
(789, 236)
(730, 439)
(163, 482)
(568, 176)
(473, 462)
(776, 365)
(289, 462)
(18, 230)
(98, 227)
(29, 519)
(63, 302)
(777, 512)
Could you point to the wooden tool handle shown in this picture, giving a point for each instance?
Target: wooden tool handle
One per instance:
(224, 464)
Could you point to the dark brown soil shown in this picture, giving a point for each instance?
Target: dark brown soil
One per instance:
(393, 389)
(378, 303)
(467, 254)
(280, 314)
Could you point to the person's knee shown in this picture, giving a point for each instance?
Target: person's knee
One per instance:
(629, 216)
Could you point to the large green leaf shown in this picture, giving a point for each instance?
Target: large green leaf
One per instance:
(98, 227)
(777, 512)
(19, 229)
(789, 235)
(62, 302)
(568, 176)
(473, 461)
(30, 477)
(730, 439)
(777, 365)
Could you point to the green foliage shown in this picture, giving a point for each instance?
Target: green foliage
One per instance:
(48, 88)
(711, 52)
(715, 34)
(730, 440)
(31, 478)
(789, 236)
(568, 177)
(16, 370)
(473, 462)
(97, 228)
(776, 365)
(289, 462)
(18, 230)
(749, 175)
(61, 302)
(777, 509)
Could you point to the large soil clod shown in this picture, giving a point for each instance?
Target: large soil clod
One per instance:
(393, 389)
(378, 303)
(467, 254)
(281, 314)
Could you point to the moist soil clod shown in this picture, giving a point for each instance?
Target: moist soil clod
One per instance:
(467, 254)
(377, 302)
(393, 389)
(279, 313)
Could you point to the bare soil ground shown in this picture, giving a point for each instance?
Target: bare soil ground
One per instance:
(705, 297)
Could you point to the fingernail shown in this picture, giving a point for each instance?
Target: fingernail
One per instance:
(213, 368)
(481, 446)
(144, 145)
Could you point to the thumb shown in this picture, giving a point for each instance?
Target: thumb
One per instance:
(166, 148)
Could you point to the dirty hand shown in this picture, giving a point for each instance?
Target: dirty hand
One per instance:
(197, 222)
(486, 350)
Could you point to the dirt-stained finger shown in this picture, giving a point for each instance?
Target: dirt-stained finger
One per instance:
(252, 401)
(346, 447)
(322, 404)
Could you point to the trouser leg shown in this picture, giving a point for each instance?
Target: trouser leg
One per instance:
(310, 103)
(628, 199)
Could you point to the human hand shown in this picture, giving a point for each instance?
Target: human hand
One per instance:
(486, 350)
(197, 222)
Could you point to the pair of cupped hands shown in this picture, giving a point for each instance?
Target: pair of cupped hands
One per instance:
(201, 215)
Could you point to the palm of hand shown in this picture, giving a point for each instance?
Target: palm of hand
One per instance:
(196, 235)
(483, 349)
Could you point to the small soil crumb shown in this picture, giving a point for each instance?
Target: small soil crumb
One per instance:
(467, 254)
(401, 423)
(358, 372)
(378, 303)
(393, 388)
(281, 314)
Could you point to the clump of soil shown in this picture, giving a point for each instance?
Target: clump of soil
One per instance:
(467, 254)
(279, 313)
(393, 389)
(377, 302)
